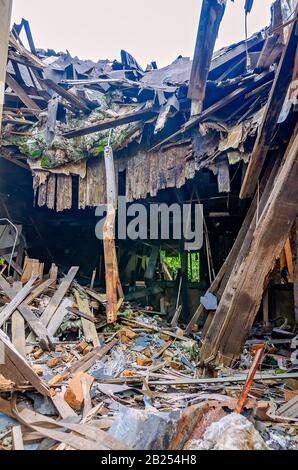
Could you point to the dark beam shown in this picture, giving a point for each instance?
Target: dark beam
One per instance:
(20, 92)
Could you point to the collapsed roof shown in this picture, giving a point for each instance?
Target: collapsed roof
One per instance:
(59, 112)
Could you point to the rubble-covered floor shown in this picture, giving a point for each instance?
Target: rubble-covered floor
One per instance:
(137, 383)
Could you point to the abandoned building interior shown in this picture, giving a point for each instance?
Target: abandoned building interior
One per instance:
(97, 333)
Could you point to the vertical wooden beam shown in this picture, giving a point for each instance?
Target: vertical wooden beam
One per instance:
(210, 19)
(184, 275)
(111, 267)
(296, 271)
(5, 17)
(266, 308)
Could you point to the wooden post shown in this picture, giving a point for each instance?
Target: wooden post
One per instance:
(184, 275)
(5, 16)
(111, 267)
(296, 271)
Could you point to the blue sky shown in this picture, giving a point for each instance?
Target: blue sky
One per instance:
(149, 29)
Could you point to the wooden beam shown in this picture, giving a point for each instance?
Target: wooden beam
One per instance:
(282, 80)
(142, 115)
(33, 321)
(16, 368)
(67, 95)
(211, 15)
(89, 328)
(110, 257)
(20, 92)
(5, 16)
(16, 299)
(241, 300)
(295, 233)
(58, 296)
(17, 438)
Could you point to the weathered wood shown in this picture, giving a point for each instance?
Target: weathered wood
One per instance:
(58, 296)
(17, 298)
(243, 294)
(20, 92)
(38, 291)
(18, 333)
(64, 192)
(67, 95)
(225, 101)
(89, 329)
(17, 438)
(142, 115)
(274, 105)
(87, 361)
(240, 246)
(176, 316)
(16, 368)
(289, 260)
(260, 376)
(5, 16)
(58, 316)
(33, 321)
(211, 15)
(32, 267)
(110, 257)
(296, 271)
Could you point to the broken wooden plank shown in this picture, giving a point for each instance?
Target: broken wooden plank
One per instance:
(282, 80)
(6, 8)
(89, 359)
(211, 15)
(58, 296)
(58, 316)
(16, 368)
(20, 92)
(16, 299)
(32, 267)
(260, 376)
(17, 438)
(89, 328)
(33, 321)
(38, 291)
(157, 329)
(18, 337)
(142, 115)
(67, 95)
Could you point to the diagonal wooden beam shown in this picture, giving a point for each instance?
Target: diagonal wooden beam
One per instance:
(282, 80)
(20, 92)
